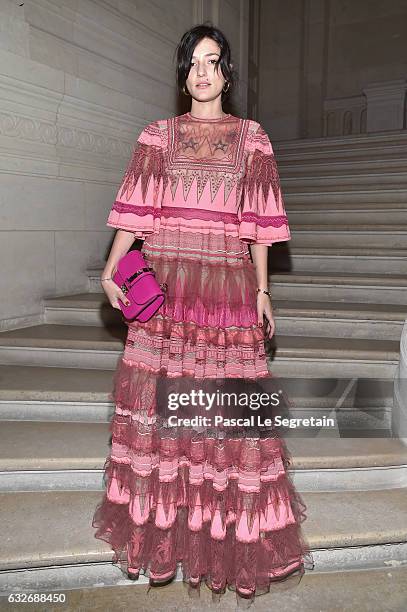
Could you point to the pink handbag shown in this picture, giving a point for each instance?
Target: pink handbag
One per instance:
(137, 281)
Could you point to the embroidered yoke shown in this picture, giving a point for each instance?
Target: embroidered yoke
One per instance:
(217, 176)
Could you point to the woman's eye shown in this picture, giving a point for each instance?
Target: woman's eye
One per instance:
(213, 60)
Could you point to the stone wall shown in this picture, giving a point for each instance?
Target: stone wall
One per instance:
(79, 79)
(332, 67)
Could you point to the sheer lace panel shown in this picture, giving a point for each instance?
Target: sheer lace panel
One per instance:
(208, 151)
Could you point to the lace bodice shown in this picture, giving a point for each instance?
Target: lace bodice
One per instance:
(213, 174)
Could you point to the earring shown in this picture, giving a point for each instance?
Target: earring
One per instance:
(186, 93)
(228, 84)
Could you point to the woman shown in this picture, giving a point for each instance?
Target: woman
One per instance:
(198, 190)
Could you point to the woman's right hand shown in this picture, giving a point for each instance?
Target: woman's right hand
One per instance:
(114, 294)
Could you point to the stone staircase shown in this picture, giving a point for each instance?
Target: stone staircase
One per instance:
(340, 300)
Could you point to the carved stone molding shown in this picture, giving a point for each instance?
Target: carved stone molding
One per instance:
(345, 116)
(32, 113)
(28, 129)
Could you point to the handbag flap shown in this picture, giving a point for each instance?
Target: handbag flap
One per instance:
(145, 289)
(130, 263)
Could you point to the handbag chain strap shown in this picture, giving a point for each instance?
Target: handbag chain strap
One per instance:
(136, 274)
(124, 287)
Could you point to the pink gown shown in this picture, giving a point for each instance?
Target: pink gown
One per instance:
(198, 191)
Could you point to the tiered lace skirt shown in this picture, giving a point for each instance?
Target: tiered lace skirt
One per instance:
(219, 502)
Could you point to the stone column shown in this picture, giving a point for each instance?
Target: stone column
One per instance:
(399, 413)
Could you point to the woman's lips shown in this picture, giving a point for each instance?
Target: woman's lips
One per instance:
(203, 85)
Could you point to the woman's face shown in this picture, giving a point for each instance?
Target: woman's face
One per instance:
(203, 70)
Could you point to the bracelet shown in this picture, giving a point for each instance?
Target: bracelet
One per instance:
(108, 278)
(263, 291)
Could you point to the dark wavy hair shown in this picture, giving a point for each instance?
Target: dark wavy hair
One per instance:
(185, 49)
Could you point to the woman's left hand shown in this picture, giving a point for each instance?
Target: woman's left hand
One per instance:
(264, 309)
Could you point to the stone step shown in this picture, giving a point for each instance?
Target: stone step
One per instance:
(342, 179)
(344, 208)
(36, 393)
(81, 309)
(360, 287)
(338, 214)
(338, 319)
(38, 456)
(73, 346)
(380, 236)
(383, 321)
(345, 287)
(354, 147)
(346, 529)
(100, 348)
(325, 259)
(32, 393)
(345, 184)
(354, 166)
(368, 590)
(328, 198)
